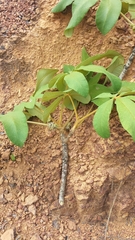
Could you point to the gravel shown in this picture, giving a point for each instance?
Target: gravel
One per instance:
(17, 16)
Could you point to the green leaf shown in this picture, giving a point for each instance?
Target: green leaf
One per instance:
(37, 111)
(79, 98)
(116, 65)
(128, 85)
(68, 104)
(101, 119)
(85, 55)
(54, 80)
(94, 80)
(43, 77)
(107, 15)
(96, 89)
(126, 112)
(61, 5)
(68, 68)
(90, 60)
(132, 97)
(105, 95)
(77, 82)
(99, 101)
(125, 6)
(79, 10)
(51, 95)
(116, 82)
(129, 1)
(51, 108)
(132, 10)
(61, 85)
(15, 125)
(38, 94)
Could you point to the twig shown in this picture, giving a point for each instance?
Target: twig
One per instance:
(110, 212)
(128, 63)
(64, 168)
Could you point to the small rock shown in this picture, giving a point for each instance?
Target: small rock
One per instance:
(32, 209)
(31, 199)
(1, 180)
(9, 196)
(6, 154)
(2, 197)
(71, 225)
(36, 237)
(8, 235)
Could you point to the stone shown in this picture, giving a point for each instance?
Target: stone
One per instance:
(30, 199)
(1, 180)
(36, 237)
(8, 235)
(71, 225)
(32, 209)
(6, 154)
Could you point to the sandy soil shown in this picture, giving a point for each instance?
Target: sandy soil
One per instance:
(29, 186)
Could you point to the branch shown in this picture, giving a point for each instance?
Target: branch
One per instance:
(64, 168)
(128, 63)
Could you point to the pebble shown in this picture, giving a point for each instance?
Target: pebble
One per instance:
(8, 235)
(32, 209)
(36, 237)
(71, 225)
(30, 199)
(6, 154)
(1, 180)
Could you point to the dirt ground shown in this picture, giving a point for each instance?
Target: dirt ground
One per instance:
(31, 37)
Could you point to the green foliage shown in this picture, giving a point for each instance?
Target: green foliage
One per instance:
(107, 13)
(16, 127)
(85, 83)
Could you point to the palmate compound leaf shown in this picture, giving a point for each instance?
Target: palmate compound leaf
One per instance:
(116, 82)
(107, 14)
(101, 119)
(126, 112)
(15, 125)
(77, 82)
(79, 9)
(90, 60)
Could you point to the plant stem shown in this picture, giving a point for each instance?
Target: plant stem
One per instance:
(64, 168)
(131, 24)
(76, 115)
(68, 121)
(128, 63)
(86, 116)
(38, 123)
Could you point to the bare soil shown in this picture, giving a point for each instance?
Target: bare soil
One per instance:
(29, 186)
